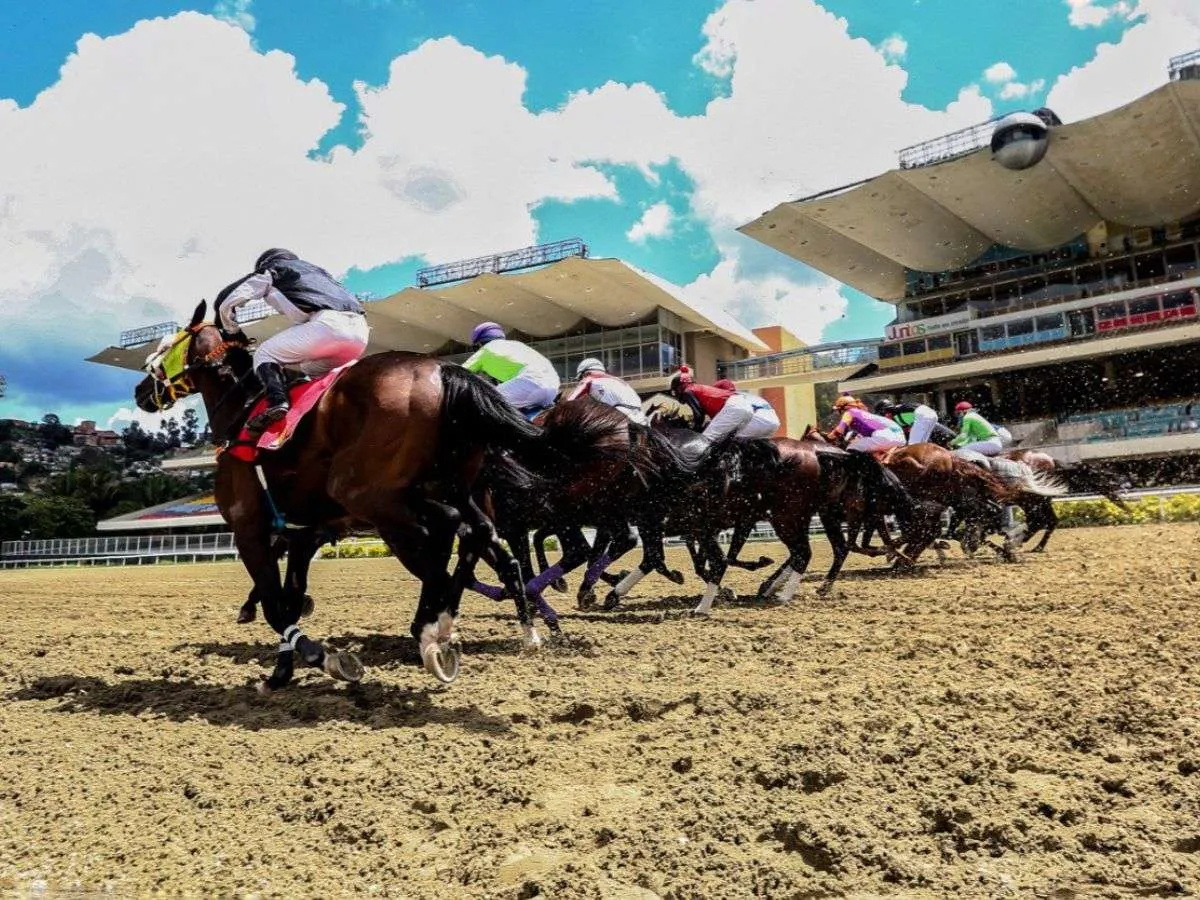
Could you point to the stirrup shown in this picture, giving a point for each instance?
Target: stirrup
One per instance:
(267, 418)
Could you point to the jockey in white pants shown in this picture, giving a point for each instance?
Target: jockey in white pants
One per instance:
(329, 325)
(731, 412)
(975, 432)
(595, 382)
(917, 419)
(525, 378)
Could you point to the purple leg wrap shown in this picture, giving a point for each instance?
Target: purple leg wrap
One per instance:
(489, 591)
(545, 610)
(594, 571)
(537, 584)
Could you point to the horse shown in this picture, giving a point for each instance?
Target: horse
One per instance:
(595, 468)
(396, 444)
(1082, 478)
(784, 481)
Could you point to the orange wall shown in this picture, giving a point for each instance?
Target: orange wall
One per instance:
(793, 404)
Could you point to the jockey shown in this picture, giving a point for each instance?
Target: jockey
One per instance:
(975, 432)
(866, 432)
(329, 326)
(595, 382)
(732, 412)
(918, 420)
(525, 378)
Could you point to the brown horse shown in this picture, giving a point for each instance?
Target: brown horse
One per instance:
(395, 444)
(934, 475)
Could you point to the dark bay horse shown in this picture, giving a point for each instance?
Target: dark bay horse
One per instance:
(1080, 479)
(396, 444)
(593, 467)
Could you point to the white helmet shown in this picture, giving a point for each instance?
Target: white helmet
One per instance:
(591, 364)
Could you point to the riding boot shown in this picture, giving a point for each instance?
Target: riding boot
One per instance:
(271, 376)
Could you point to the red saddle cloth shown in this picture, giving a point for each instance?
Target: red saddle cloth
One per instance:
(303, 397)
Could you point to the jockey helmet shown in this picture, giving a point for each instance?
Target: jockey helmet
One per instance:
(962, 406)
(591, 364)
(270, 256)
(486, 331)
(881, 407)
(725, 384)
(681, 379)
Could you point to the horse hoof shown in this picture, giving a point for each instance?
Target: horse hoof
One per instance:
(263, 689)
(611, 601)
(585, 600)
(307, 605)
(343, 665)
(247, 613)
(726, 595)
(701, 613)
(531, 641)
(441, 661)
(560, 585)
(675, 576)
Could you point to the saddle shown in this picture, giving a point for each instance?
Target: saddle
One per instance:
(303, 396)
(1006, 469)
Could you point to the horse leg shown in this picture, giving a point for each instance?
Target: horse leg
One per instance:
(301, 548)
(653, 559)
(1051, 519)
(575, 551)
(539, 549)
(482, 533)
(793, 531)
(425, 552)
(837, 542)
(715, 568)
(737, 541)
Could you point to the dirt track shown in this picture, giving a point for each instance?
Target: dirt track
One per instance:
(1031, 730)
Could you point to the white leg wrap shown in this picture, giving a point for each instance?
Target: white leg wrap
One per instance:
(788, 591)
(776, 580)
(429, 635)
(626, 584)
(290, 635)
(530, 637)
(706, 601)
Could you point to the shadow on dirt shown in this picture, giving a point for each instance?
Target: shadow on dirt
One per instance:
(317, 700)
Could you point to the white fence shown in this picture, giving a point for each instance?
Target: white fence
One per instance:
(120, 550)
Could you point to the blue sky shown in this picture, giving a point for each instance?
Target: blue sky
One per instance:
(166, 150)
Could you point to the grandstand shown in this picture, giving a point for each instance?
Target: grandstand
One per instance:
(1048, 273)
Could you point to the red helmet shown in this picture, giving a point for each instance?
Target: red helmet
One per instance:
(963, 406)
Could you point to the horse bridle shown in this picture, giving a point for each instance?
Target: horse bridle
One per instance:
(168, 391)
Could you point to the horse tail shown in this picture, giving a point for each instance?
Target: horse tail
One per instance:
(1086, 479)
(1042, 484)
(473, 412)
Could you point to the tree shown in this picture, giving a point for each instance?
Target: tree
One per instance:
(11, 509)
(54, 433)
(56, 517)
(8, 453)
(191, 425)
(169, 434)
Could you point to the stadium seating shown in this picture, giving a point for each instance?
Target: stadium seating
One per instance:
(1150, 421)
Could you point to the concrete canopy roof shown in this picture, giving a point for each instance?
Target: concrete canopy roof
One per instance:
(541, 302)
(1136, 166)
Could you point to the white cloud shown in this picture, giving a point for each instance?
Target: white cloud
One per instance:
(1000, 72)
(1122, 72)
(236, 12)
(894, 48)
(1016, 89)
(196, 156)
(770, 299)
(1090, 14)
(654, 223)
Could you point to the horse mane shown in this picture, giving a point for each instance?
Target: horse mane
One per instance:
(583, 427)
(669, 411)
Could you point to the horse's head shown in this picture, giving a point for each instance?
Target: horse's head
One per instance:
(178, 358)
(812, 433)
